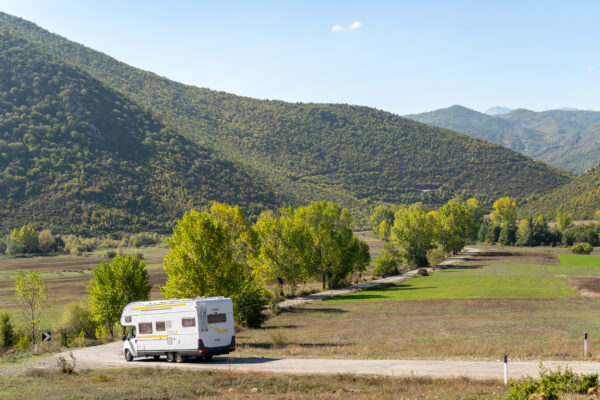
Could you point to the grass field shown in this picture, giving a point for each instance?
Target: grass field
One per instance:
(503, 301)
(579, 260)
(67, 277)
(158, 383)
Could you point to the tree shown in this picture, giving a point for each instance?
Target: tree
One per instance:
(243, 238)
(382, 220)
(525, 232)
(32, 293)
(508, 235)
(338, 252)
(453, 226)
(7, 334)
(505, 212)
(26, 237)
(475, 217)
(115, 284)
(414, 231)
(46, 241)
(205, 259)
(386, 264)
(563, 220)
(285, 254)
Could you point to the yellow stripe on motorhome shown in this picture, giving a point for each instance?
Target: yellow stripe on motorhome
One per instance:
(149, 307)
(221, 330)
(151, 337)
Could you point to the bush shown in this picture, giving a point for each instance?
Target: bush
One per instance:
(7, 334)
(249, 304)
(582, 248)
(436, 255)
(552, 384)
(278, 338)
(65, 366)
(582, 233)
(422, 272)
(77, 319)
(46, 241)
(110, 254)
(386, 264)
(23, 343)
(14, 248)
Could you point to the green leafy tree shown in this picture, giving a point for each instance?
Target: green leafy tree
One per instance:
(563, 220)
(386, 264)
(243, 238)
(7, 334)
(338, 252)
(505, 212)
(413, 231)
(382, 220)
(285, 254)
(508, 235)
(32, 294)
(26, 237)
(475, 217)
(454, 226)
(525, 232)
(205, 259)
(115, 284)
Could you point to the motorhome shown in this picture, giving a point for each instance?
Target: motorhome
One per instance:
(178, 328)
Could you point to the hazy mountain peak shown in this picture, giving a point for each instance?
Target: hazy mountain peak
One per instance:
(497, 110)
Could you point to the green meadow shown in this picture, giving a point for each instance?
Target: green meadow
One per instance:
(579, 260)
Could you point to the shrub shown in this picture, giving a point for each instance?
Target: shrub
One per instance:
(7, 334)
(110, 254)
(386, 264)
(249, 304)
(552, 384)
(582, 248)
(65, 366)
(278, 338)
(436, 255)
(23, 343)
(13, 247)
(422, 272)
(77, 319)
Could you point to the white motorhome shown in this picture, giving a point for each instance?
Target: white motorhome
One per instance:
(178, 328)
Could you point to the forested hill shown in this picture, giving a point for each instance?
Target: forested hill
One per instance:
(568, 139)
(580, 197)
(357, 156)
(78, 157)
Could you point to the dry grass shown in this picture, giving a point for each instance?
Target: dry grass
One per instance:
(530, 329)
(179, 384)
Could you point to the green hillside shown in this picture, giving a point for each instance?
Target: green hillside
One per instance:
(76, 156)
(356, 156)
(581, 197)
(568, 139)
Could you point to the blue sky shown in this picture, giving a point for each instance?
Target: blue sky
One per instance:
(401, 56)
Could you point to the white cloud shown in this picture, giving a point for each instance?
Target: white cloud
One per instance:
(351, 27)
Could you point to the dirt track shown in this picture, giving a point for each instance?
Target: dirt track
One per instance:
(109, 356)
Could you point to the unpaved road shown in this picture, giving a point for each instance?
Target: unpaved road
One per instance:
(109, 356)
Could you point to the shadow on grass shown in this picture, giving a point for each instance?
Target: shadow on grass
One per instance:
(301, 310)
(267, 346)
(458, 268)
(280, 327)
(368, 294)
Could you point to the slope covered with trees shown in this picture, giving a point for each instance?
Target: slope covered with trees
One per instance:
(568, 139)
(352, 155)
(77, 156)
(580, 198)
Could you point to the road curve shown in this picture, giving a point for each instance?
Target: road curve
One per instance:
(110, 356)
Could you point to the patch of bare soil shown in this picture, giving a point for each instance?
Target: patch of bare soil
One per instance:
(586, 286)
(513, 257)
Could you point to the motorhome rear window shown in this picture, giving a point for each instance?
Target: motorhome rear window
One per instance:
(160, 326)
(188, 322)
(128, 318)
(145, 327)
(217, 318)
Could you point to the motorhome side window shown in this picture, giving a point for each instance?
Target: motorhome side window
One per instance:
(216, 318)
(185, 322)
(160, 326)
(145, 327)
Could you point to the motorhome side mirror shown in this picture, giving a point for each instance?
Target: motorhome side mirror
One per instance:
(123, 338)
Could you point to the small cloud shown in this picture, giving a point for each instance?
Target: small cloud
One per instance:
(351, 27)
(590, 69)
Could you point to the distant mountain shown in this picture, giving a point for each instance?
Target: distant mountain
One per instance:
(357, 156)
(568, 139)
(497, 110)
(78, 157)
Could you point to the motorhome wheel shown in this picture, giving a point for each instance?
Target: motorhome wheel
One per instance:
(170, 357)
(128, 355)
(179, 358)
